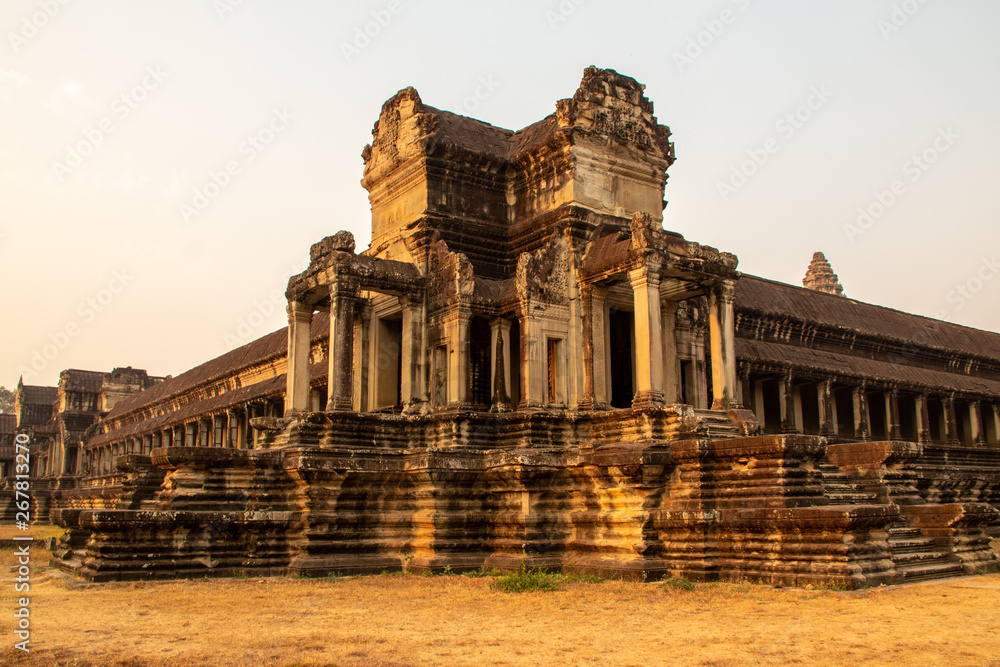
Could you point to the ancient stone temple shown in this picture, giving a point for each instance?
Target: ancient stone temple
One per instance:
(524, 366)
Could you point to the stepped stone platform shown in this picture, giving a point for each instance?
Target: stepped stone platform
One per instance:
(778, 509)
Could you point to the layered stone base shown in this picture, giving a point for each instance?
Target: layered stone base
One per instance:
(352, 498)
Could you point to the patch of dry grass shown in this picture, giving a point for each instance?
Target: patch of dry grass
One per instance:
(457, 620)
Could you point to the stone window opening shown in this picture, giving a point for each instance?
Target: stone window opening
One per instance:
(989, 416)
(807, 397)
(689, 381)
(843, 406)
(876, 416)
(219, 434)
(908, 419)
(963, 423)
(621, 357)
(480, 363)
(555, 375)
(771, 400)
(388, 363)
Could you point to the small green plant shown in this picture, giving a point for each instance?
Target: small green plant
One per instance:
(527, 579)
(678, 583)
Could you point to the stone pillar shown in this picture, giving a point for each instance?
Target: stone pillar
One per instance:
(827, 423)
(950, 421)
(746, 388)
(923, 420)
(596, 385)
(413, 391)
(190, 434)
(722, 332)
(648, 340)
(297, 375)
(362, 343)
(892, 428)
(500, 363)
(786, 403)
(457, 326)
(533, 354)
(976, 421)
(860, 413)
(232, 437)
(340, 385)
(671, 364)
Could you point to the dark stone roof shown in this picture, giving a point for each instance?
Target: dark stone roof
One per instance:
(271, 346)
(272, 387)
(8, 424)
(779, 300)
(854, 367)
(82, 381)
(35, 395)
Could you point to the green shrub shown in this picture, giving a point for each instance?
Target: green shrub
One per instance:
(679, 583)
(525, 580)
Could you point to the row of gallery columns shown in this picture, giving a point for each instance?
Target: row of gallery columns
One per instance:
(874, 414)
(557, 363)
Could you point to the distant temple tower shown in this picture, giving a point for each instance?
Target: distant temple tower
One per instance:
(820, 276)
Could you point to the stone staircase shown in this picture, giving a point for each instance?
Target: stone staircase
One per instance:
(918, 558)
(840, 490)
(716, 425)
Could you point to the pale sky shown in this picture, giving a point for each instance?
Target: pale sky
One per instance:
(116, 115)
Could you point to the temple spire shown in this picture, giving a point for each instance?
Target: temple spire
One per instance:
(821, 278)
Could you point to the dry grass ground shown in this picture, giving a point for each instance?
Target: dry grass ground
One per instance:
(458, 620)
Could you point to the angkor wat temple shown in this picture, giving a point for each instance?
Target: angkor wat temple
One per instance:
(525, 366)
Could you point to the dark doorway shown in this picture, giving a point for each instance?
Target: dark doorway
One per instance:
(620, 325)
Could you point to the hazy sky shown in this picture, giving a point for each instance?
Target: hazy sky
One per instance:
(788, 118)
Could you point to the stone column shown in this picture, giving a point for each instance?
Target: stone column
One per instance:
(457, 326)
(975, 420)
(950, 421)
(362, 342)
(596, 385)
(500, 363)
(722, 331)
(340, 385)
(893, 430)
(745, 396)
(923, 419)
(860, 413)
(533, 354)
(297, 374)
(671, 364)
(648, 339)
(827, 425)
(190, 434)
(413, 391)
(786, 402)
